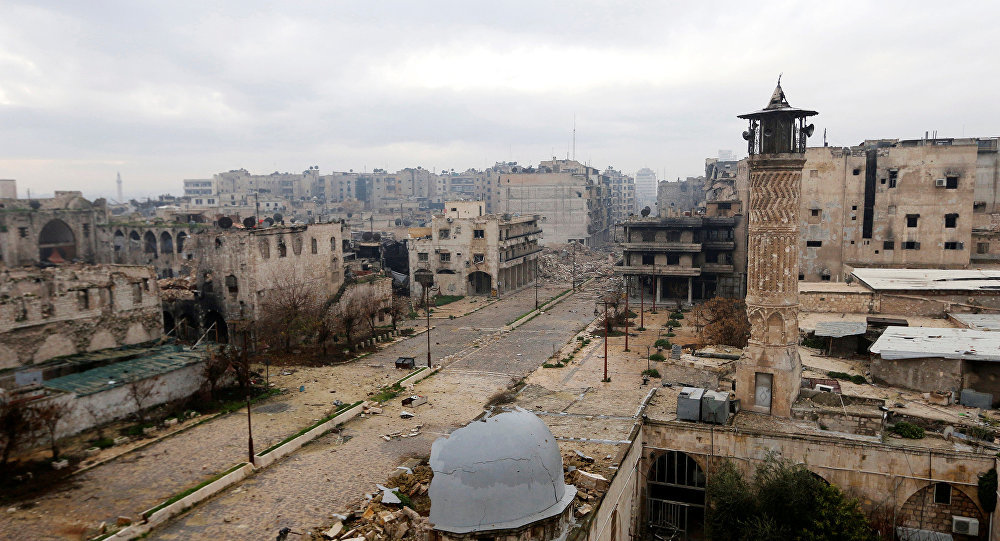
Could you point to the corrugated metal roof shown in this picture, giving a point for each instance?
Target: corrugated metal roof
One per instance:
(117, 374)
(924, 342)
(929, 279)
(979, 322)
(838, 329)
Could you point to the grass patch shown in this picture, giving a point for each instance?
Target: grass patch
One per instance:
(104, 443)
(815, 342)
(651, 372)
(192, 490)
(441, 300)
(339, 410)
(388, 393)
(550, 365)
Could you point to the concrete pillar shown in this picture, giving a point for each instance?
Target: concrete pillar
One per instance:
(659, 289)
(690, 286)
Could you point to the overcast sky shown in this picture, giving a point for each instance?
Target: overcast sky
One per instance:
(171, 90)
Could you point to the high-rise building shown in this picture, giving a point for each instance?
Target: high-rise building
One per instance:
(645, 188)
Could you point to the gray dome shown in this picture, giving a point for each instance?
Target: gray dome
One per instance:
(502, 472)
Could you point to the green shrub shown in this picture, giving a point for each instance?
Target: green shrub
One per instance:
(856, 378)
(104, 443)
(671, 323)
(407, 331)
(670, 335)
(987, 490)
(651, 372)
(815, 342)
(656, 357)
(908, 430)
(550, 365)
(662, 343)
(677, 315)
(442, 300)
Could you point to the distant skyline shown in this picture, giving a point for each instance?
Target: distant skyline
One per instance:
(163, 92)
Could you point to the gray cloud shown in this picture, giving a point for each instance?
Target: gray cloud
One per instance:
(177, 90)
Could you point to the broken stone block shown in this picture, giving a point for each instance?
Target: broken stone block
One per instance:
(170, 422)
(92, 451)
(411, 514)
(60, 464)
(399, 530)
(121, 440)
(375, 411)
(584, 509)
(368, 514)
(591, 481)
(334, 531)
(123, 521)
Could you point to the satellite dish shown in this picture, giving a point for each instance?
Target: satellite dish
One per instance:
(377, 236)
(407, 223)
(399, 222)
(268, 222)
(35, 205)
(278, 217)
(645, 212)
(366, 236)
(350, 214)
(225, 222)
(249, 222)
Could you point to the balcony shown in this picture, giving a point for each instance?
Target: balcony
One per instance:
(662, 246)
(720, 268)
(513, 260)
(719, 244)
(658, 270)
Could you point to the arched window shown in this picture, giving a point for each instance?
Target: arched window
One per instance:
(315, 246)
(282, 249)
(149, 243)
(265, 248)
(166, 243)
(56, 242)
(134, 241)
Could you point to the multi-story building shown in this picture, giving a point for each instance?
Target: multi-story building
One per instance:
(570, 198)
(473, 253)
(622, 189)
(645, 188)
(688, 257)
(200, 187)
(887, 203)
(680, 196)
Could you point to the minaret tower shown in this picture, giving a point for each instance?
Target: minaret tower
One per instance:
(120, 198)
(769, 373)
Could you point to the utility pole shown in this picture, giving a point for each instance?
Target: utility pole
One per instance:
(574, 265)
(607, 325)
(536, 283)
(246, 363)
(626, 314)
(427, 309)
(642, 303)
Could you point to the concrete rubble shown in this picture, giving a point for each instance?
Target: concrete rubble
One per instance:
(556, 263)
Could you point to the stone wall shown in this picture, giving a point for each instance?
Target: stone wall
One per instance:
(46, 313)
(838, 421)
(70, 218)
(860, 302)
(927, 375)
(920, 511)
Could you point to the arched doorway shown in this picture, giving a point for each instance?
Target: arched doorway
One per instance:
(166, 243)
(215, 326)
(149, 243)
(480, 283)
(56, 243)
(181, 237)
(134, 241)
(934, 506)
(675, 502)
(119, 246)
(168, 324)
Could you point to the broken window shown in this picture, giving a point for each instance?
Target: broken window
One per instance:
(648, 259)
(315, 246)
(673, 259)
(444, 233)
(954, 245)
(282, 249)
(911, 245)
(814, 243)
(942, 494)
(891, 210)
(889, 245)
(479, 233)
(951, 182)
(950, 220)
(911, 220)
(232, 285)
(22, 232)
(83, 299)
(478, 258)
(982, 247)
(893, 177)
(136, 293)
(648, 236)
(422, 256)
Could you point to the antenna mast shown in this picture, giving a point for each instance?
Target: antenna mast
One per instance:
(574, 136)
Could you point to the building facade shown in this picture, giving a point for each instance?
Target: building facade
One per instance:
(50, 231)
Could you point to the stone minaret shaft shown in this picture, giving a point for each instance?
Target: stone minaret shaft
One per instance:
(769, 374)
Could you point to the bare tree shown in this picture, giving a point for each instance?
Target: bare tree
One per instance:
(398, 308)
(289, 311)
(725, 322)
(141, 390)
(215, 369)
(348, 315)
(237, 360)
(16, 425)
(47, 415)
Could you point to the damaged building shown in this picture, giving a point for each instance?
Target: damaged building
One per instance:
(73, 308)
(52, 230)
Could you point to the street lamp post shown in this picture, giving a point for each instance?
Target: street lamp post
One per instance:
(626, 314)
(607, 325)
(425, 278)
(647, 356)
(536, 282)
(642, 303)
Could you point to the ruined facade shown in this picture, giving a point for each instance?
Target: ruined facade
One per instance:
(52, 312)
(472, 254)
(674, 198)
(769, 372)
(53, 230)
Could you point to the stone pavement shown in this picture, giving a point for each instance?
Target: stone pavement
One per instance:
(324, 477)
(137, 481)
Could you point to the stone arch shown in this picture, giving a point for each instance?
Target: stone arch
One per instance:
(297, 245)
(216, 327)
(56, 242)
(166, 243)
(921, 509)
(282, 248)
(445, 271)
(775, 329)
(675, 494)
(149, 243)
(118, 241)
(181, 238)
(480, 283)
(134, 241)
(314, 246)
(265, 248)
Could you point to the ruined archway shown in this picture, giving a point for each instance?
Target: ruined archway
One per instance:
(675, 495)
(166, 243)
(480, 283)
(215, 327)
(118, 243)
(181, 237)
(934, 506)
(149, 243)
(56, 243)
(134, 241)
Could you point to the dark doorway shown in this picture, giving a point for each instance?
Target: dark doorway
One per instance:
(56, 243)
(675, 503)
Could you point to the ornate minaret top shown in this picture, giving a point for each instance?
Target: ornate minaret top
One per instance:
(778, 128)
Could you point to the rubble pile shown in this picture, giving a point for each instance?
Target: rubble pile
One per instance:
(590, 486)
(178, 289)
(556, 263)
(395, 512)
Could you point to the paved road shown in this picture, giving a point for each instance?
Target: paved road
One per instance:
(326, 476)
(139, 480)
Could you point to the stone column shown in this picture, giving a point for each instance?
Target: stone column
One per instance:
(769, 374)
(690, 286)
(659, 284)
